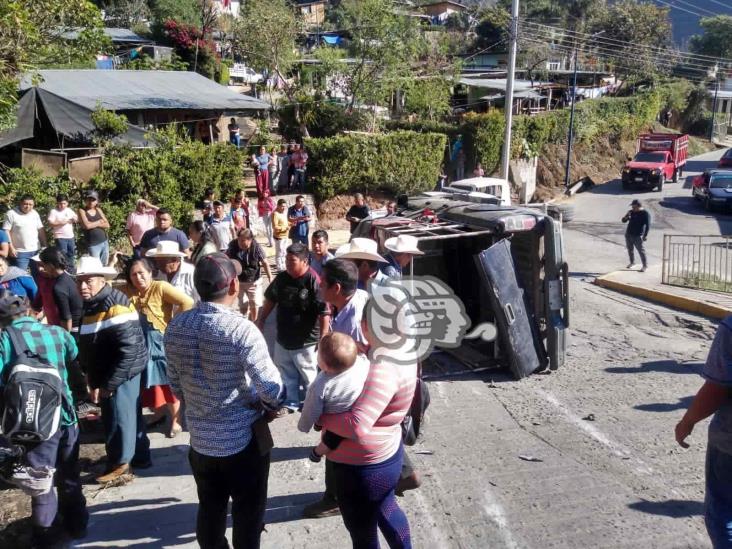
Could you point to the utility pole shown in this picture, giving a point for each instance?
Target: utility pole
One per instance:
(508, 107)
(570, 137)
(714, 105)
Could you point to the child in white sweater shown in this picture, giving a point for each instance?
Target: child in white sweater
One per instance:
(340, 382)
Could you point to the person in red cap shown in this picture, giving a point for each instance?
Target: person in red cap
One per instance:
(219, 367)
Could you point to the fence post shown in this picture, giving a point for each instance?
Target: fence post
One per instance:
(664, 260)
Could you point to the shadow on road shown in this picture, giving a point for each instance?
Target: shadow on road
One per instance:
(674, 508)
(291, 453)
(682, 404)
(662, 366)
(288, 508)
(700, 165)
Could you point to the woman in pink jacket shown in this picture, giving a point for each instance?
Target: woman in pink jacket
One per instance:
(367, 464)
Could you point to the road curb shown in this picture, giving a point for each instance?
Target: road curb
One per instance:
(665, 298)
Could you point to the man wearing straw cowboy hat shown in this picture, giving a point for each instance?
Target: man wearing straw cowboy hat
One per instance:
(364, 253)
(171, 268)
(402, 250)
(112, 352)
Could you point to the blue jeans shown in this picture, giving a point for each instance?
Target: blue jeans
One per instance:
(23, 259)
(68, 248)
(299, 179)
(298, 368)
(366, 498)
(235, 140)
(718, 498)
(124, 427)
(61, 451)
(101, 251)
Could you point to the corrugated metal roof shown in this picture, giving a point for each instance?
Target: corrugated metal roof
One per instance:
(141, 90)
(500, 83)
(125, 35)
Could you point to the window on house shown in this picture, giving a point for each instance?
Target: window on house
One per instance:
(552, 65)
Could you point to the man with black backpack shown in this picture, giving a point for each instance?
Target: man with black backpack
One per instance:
(38, 416)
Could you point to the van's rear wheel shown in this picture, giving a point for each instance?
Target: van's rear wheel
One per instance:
(660, 183)
(676, 175)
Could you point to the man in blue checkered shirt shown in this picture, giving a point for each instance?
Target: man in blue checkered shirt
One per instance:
(220, 369)
(57, 347)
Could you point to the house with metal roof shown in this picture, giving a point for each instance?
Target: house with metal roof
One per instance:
(56, 105)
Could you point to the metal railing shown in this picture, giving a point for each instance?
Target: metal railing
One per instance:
(698, 261)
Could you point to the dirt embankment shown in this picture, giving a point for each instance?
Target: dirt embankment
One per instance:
(332, 212)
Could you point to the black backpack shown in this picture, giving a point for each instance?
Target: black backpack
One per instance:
(32, 396)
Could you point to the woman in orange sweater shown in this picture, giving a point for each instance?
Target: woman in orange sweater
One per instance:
(155, 300)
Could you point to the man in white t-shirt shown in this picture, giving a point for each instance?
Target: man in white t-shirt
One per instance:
(139, 222)
(62, 219)
(25, 229)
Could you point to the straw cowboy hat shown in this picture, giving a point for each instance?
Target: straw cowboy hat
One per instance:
(360, 248)
(92, 266)
(165, 248)
(403, 244)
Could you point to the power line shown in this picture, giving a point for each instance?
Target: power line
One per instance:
(575, 35)
(695, 6)
(679, 8)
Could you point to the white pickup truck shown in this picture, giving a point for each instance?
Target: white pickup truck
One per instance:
(478, 189)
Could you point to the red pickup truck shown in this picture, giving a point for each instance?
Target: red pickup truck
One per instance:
(659, 157)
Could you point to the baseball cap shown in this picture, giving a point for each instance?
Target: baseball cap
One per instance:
(11, 304)
(213, 275)
(635, 202)
(91, 194)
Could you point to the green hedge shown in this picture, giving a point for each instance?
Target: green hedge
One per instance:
(173, 174)
(616, 118)
(400, 162)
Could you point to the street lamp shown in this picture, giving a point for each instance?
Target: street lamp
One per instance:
(570, 136)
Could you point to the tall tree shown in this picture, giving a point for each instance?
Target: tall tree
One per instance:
(383, 46)
(637, 30)
(39, 33)
(716, 40)
(264, 37)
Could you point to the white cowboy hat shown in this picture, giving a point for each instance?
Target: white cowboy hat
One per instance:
(403, 244)
(360, 248)
(165, 248)
(92, 266)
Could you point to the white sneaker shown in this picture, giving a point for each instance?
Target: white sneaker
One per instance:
(630, 265)
(643, 269)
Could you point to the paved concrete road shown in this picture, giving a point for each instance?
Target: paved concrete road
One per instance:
(607, 472)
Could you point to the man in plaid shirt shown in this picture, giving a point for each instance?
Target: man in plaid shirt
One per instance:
(57, 347)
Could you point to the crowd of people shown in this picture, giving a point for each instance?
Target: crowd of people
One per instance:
(180, 332)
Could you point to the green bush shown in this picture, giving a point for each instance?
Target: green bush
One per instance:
(322, 118)
(400, 162)
(174, 174)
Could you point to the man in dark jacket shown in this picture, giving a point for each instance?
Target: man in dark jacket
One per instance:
(112, 352)
(639, 223)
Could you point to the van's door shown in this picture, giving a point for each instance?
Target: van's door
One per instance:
(516, 325)
(556, 293)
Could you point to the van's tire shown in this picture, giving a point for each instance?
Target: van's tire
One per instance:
(625, 185)
(660, 183)
(708, 204)
(677, 174)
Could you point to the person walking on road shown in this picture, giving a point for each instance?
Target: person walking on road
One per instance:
(219, 367)
(714, 398)
(250, 255)
(280, 233)
(639, 223)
